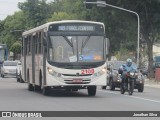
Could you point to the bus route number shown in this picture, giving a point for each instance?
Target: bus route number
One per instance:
(87, 71)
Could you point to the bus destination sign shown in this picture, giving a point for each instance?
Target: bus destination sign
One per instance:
(76, 28)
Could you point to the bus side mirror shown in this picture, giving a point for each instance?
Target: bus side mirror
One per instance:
(107, 46)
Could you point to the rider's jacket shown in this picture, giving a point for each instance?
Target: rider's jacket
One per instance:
(127, 68)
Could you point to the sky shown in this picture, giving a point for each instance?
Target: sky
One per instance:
(8, 7)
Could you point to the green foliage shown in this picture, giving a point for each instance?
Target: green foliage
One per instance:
(36, 12)
(14, 22)
(16, 48)
(1, 26)
(68, 10)
(62, 16)
(123, 54)
(121, 26)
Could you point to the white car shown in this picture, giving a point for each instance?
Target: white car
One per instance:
(9, 68)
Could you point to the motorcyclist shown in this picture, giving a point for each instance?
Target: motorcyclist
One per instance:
(126, 68)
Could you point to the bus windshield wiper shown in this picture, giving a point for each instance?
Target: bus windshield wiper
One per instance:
(70, 43)
(85, 42)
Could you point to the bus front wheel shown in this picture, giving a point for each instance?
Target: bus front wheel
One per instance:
(46, 90)
(92, 90)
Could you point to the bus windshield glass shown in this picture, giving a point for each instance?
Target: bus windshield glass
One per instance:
(71, 49)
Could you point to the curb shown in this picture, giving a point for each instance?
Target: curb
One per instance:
(154, 86)
(152, 83)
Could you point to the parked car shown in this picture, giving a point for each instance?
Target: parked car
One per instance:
(9, 68)
(114, 78)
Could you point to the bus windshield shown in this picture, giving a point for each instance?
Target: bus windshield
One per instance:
(81, 49)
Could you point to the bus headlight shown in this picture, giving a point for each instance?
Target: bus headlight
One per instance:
(104, 70)
(52, 72)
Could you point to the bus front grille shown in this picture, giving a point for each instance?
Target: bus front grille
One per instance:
(85, 81)
(76, 75)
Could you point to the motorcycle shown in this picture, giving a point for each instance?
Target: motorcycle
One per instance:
(128, 83)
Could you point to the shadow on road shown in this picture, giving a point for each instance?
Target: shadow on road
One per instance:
(63, 93)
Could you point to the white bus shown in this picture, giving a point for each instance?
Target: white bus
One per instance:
(69, 55)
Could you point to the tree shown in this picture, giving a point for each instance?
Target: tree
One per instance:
(36, 11)
(149, 12)
(121, 27)
(16, 21)
(68, 10)
(16, 49)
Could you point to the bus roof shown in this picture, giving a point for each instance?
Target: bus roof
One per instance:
(45, 26)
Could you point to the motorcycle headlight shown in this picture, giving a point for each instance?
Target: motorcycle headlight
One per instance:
(136, 74)
(131, 74)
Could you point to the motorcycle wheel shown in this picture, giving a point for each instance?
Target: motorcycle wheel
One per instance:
(122, 90)
(130, 87)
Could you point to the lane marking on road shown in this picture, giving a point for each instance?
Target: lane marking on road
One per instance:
(131, 96)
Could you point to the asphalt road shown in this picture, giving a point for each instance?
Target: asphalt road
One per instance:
(15, 97)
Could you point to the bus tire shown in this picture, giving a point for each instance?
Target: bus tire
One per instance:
(30, 87)
(38, 87)
(2, 76)
(104, 87)
(20, 78)
(75, 89)
(46, 91)
(40, 79)
(141, 88)
(91, 90)
(111, 85)
(68, 89)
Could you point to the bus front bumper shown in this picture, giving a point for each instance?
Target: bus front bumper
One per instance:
(75, 81)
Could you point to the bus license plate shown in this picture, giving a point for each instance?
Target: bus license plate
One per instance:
(77, 81)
